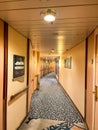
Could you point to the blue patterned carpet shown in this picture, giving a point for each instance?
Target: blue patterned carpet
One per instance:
(51, 102)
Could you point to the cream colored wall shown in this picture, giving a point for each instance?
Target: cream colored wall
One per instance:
(17, 44)
(73, 80)
(1, 71)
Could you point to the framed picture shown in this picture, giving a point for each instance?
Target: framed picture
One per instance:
(18, 66)
(68, 62)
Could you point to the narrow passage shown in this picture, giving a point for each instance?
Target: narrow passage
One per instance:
(52, 109)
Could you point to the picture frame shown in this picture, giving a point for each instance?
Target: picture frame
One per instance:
(18, 66)
(68, 62)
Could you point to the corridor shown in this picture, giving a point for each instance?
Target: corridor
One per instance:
(52, 109)
(49, 65)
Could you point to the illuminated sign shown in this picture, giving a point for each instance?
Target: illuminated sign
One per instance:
(18, 66)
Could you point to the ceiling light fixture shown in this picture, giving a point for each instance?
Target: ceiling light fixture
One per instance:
(52, 50)
(49, 15)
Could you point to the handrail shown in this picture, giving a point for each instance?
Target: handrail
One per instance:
(16, 96)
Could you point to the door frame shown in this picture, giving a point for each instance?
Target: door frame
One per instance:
(5, 76)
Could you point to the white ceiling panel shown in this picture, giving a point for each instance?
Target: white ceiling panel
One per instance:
(75, 20)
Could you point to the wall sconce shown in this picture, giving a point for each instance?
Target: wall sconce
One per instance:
(48, 15)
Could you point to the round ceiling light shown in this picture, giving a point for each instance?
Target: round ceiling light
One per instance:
(49, 18)
(49, 15)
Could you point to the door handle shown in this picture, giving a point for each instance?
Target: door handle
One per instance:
(96, 93)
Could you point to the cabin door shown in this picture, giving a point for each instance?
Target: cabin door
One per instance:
(96, 86)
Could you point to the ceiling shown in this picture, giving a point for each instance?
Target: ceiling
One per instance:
(75, 20)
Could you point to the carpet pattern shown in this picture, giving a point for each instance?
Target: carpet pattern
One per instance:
(52, 103)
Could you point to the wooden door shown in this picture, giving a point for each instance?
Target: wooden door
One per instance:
(90, 80)
(30, 76)
(96, 86)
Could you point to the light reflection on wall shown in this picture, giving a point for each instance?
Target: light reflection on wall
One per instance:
(60, 43)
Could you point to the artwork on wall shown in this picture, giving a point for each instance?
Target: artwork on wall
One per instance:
(68, 62)
(18, 66)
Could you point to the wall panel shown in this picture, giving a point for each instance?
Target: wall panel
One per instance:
(73, 80)
(17, 44)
